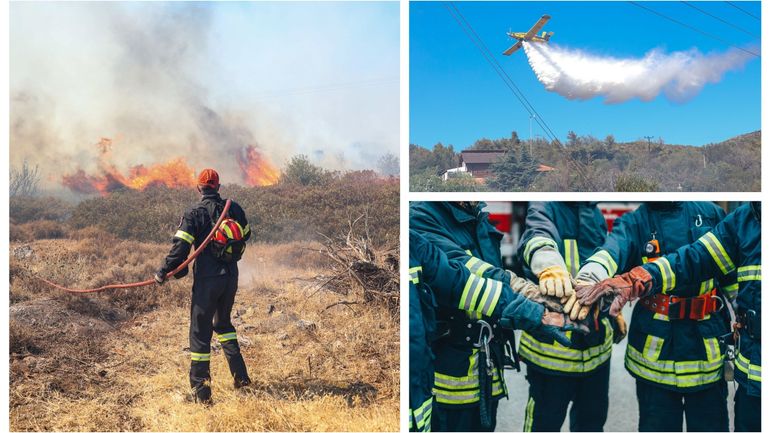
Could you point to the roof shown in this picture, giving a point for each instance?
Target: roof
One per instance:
(480, 156)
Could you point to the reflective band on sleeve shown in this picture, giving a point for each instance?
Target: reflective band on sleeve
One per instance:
(491, 295)
(718, 253)
(535, 243)
(201, 357)
(605, 259)
(183, 235)
(227, 337)
(666, 273)
(414, 274)
(754, 372)
(473, 288)
(750, 273)
(477, 266)
(571, 256)
(422, 415)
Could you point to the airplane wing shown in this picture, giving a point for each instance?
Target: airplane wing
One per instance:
(536, 28)
(513, 49)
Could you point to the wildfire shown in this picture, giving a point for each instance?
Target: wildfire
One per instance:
(256, 169)
(176, 173)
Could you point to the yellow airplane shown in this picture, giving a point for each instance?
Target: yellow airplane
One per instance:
(530, 36)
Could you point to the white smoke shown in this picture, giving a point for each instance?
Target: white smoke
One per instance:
(679, 75)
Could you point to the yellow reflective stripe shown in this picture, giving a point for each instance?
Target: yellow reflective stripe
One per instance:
(754, 372)
(477, 267)
(666, 274)
(571, 256)
(535, 243)
(731, 291)
(422, 415)
(227, 337)
(605, 259)
(227, 230)
(697, 378)
(749, 273)
(491, 295)
(658, 316)
(712, 348)
(718, 253)
(473, 287)
(200, 356)
(183, 235)
(675, 367)
(652, 347)
(246, 229)
(529, 414)
(465, 397)
(560, 358)
(414, 274)
(707, 286)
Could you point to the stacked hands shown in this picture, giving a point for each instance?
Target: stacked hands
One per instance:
(567, 302)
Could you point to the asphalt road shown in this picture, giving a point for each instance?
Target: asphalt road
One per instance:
(623, 411)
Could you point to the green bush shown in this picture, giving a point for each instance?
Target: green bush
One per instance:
(26, 209)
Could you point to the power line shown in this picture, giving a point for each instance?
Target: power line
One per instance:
(489, 57)
(695, 29)
(743, 10)
(720, 19)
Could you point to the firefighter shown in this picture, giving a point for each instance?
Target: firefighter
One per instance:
(557, 236)
(214, 286)
(437, 281)
(676, 359)
(463, 232)
(732, 246)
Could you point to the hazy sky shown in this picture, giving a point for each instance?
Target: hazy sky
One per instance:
(201, 79)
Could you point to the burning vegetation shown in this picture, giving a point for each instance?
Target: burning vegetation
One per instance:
(256, 170)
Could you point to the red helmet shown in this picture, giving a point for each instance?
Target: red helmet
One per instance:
(208, 177)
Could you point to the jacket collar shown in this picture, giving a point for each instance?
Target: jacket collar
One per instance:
(463, 215)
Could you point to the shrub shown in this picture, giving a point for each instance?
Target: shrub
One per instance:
(25, 209)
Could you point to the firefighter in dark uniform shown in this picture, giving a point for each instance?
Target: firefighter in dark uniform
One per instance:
(214, 286)
(437, 281)
(464, 400)
(557, 237)
(676, 359)
(734, 245)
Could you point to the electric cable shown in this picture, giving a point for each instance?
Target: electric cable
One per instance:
(720, 19)
(743, 10)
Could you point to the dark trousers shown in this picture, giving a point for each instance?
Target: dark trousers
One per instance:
(550, 395)
(468, 419)
(748, 410)
(212, 302)
(661, 409)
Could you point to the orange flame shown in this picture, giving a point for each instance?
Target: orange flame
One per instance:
(256, 169)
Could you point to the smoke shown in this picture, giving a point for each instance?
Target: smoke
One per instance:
(679, 75)
(191, 80)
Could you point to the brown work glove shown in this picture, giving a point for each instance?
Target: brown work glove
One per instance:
(575, 309)
(531, 291)
(622, 288)
(620, 328)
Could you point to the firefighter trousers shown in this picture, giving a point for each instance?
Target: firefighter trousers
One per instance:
(748, 411)
(661, 409)
(550, 396)
(212, 303)
(460, 420)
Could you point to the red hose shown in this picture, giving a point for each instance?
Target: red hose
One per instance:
(184, 264)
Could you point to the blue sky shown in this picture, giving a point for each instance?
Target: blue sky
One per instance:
(456, 97)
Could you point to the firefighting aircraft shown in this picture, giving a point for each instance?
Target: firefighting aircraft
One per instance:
(530, 36)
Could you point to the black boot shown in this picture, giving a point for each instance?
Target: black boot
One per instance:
(202, 394)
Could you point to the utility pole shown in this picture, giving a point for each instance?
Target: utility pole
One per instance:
(531, 116)
(649, 142)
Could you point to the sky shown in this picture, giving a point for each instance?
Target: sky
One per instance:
(168, 79)
(457, 98)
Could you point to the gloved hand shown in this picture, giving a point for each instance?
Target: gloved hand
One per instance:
(620, 328)
(535, 319)
(624, 287)
(551, 271)
(575, 309)
(160, 277)
(529, 290)
(590, 274)
(182, 273)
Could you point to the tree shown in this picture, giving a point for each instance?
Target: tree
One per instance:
(25, 180)
(301, 171)
(389, 165)
(512, 172)
(572, 138)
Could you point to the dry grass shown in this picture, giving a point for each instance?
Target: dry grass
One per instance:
(119, 361)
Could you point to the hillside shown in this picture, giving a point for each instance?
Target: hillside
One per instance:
(590, 164)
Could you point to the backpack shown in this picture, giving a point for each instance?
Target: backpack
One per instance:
(227, 244)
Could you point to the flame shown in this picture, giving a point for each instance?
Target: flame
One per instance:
(256, 169)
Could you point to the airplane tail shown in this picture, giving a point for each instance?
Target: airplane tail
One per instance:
(547, 36)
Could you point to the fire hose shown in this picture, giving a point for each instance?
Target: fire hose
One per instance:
(184, 264)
